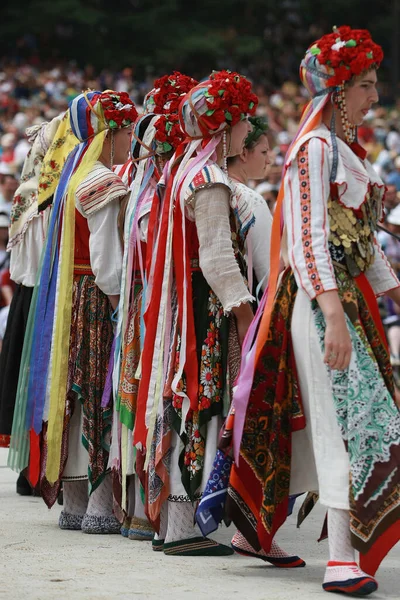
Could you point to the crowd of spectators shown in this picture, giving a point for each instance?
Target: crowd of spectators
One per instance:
(31, 94)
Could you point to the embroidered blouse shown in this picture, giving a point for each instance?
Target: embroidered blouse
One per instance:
(333, 221)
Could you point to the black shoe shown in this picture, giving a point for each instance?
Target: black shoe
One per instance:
(23, 486)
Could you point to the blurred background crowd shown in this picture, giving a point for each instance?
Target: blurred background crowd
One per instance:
(73, 45)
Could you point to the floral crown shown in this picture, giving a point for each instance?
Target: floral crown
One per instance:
(168, 92)
(346, 53)
(169, 133)
(259, 128)
(118, 109)
(229, 99)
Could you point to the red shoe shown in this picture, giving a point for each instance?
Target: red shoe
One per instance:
(348, 578)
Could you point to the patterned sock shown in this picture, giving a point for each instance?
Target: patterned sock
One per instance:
(340, 548)
(101, 500)
(75, 497)
(181, 522)
(139, 506)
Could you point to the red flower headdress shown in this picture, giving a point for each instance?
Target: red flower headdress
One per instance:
(346, 53)
(229, 99)
(118, 109)
(168, 133)
(168, 92)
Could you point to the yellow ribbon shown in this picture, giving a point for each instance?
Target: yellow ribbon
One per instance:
(62, 321)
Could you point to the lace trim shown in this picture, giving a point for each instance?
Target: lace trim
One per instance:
(243, 300)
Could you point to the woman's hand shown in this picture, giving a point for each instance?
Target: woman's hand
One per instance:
(244, 316)
(337, 344)
(337, 338)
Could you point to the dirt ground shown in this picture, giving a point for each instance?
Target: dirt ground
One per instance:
(41, 562)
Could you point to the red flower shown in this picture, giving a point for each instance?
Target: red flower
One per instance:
(168, 92)
(168, 130)
(348, 52)
(229, 95)
(126, 114)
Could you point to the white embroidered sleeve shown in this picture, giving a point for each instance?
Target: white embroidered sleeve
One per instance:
(105, 248)
(307, 191)
(380, 274)
(216, 256)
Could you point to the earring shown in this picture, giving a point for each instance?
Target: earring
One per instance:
(112, 149)
(224, 152)
(350, 131)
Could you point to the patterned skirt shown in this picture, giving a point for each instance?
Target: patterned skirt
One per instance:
(366, 415)
(90, 345)
(218, 356)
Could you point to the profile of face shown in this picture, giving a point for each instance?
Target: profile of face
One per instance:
(122, 145)
(391, 196)
(257, 160)
(9, 186)
(237, 137)
(360, 96)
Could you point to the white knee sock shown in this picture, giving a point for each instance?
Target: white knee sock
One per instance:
(101, 500)
(75, 497)
(163, 522)
(340, 548)
(181, 522)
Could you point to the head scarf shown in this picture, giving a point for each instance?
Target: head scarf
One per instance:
(92, 114)
(25, 202)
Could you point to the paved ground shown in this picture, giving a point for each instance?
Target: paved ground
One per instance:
(41, 562)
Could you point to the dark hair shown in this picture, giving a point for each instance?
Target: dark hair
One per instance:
(142, 130)
(3, 177)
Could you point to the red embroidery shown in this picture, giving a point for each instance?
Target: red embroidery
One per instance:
(305, 203)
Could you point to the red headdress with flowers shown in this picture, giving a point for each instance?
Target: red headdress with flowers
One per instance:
(346, 53)
(225, 99)
(118, 109)
(169, 133)
(164, 99)
(167, 93)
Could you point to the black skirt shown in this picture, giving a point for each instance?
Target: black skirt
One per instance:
(10, 358)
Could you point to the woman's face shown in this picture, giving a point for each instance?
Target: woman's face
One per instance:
(361, 96)
(238, 135)
(258, 159)
(122, 145)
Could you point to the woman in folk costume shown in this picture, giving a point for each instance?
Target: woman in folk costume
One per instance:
(252, 165)
(156, 135)
(79, 289)
(315, 403)
(28, 228)
(195, 288)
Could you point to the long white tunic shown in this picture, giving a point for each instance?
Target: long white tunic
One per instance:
(319, 459)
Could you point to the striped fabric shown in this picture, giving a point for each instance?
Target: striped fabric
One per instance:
(99, 188)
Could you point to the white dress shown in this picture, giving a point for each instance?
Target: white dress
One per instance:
(258, 238)
(319, 459)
